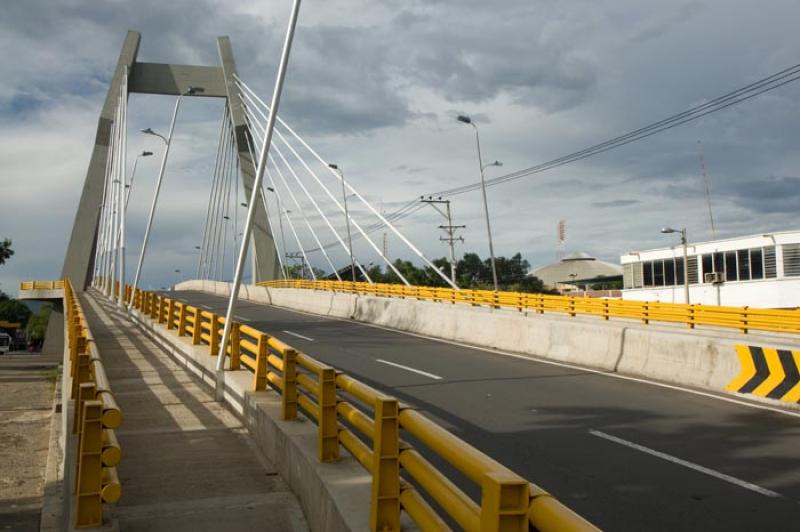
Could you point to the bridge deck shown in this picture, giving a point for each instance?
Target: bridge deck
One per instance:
(188, 463)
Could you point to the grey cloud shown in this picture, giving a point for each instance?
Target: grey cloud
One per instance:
(615, 203)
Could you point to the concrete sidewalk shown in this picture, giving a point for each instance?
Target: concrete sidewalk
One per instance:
(187, 462)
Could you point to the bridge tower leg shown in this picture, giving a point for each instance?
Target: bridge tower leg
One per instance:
(79, 259)
(265, 259)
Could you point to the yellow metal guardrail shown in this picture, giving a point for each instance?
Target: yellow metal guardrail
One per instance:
(744, 319)
(96, 414)
(41, 285)
(349, 413)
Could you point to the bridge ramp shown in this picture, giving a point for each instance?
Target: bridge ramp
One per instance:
(189, 463)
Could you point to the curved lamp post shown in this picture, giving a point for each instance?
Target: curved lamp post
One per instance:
(167, 141)
(467, 120)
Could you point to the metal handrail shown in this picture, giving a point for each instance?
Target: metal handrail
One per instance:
(349, 413)
(745, 319)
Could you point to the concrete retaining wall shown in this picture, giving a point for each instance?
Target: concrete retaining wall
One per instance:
(696, 358)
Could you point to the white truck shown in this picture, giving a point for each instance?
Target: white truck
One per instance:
(5, 343)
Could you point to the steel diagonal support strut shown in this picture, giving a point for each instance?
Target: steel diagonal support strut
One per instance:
(253, 203)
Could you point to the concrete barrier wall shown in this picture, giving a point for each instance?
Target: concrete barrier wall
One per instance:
(696, 358)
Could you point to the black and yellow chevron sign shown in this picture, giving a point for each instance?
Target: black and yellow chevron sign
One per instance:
(767, 372)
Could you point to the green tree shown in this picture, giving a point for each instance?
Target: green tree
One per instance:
(5, 250)
(37, 324)
(14, 311)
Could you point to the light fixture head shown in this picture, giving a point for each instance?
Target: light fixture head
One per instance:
(271, 189)
(147, 153)
(148, 131)
(497, 163)
(333, 166)
(464, 118)
(667, 230)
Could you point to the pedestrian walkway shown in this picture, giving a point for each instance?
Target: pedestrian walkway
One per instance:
(188, 463)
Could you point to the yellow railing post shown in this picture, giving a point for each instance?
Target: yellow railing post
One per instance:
(743, 321)
(606, 313)
(289, 395)
(89, 511)
(690, 318)
(213, 344)
(182, 320)
(85, 391)
(233, 346)
(385, 505)
(646, 312)
(198, 327)
(260, 374)
(162, 304)
(170, 313)
(504, 502)
(328, 433)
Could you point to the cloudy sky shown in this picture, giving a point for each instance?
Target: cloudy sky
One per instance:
(376, 86)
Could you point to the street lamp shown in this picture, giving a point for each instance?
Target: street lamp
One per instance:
(668, 230)
(346, 219)
(167, 141)
(133, 175)
(283, 235)
(468, 120)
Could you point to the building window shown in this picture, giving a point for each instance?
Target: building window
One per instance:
(647, 270)
(692, 267)
(743, 257)
(719, 262)
(637, 275)
(770, 270)
(791, 260)
(658, 273)
(708, 264)
(730, 266)
(669, 272)
(679, 271)
(756, 264)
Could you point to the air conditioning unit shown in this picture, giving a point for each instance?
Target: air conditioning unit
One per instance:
(714, 277)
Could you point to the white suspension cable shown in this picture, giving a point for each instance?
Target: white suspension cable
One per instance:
(284, 270)
(372, 209)
(217, 214)
(282, 206)
(123, 165)
(341, 208)
(302, 212)
(201, 258)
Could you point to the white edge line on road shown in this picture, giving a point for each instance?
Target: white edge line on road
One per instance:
(205, 307)
(299, 335)
(240, 318)
(407, 368)
(684, 463)
(531, 358)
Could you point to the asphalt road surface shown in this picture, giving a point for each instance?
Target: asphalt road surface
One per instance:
(625, 454)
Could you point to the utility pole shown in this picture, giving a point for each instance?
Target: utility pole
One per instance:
(299, 255)
(450, 229)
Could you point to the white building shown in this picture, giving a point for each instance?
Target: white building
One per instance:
(761, 271)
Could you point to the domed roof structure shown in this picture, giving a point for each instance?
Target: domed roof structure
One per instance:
(577, 268)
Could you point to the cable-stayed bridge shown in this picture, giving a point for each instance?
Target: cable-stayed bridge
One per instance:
(384, 406)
